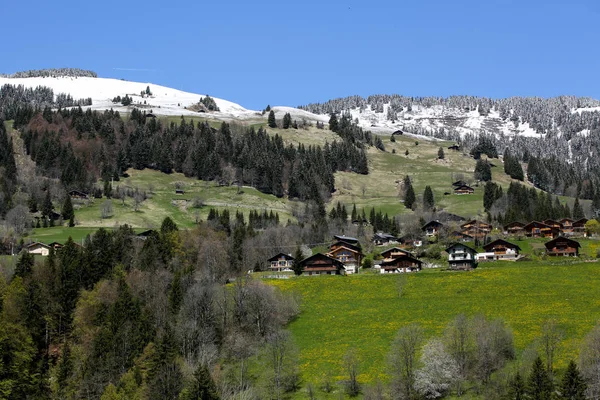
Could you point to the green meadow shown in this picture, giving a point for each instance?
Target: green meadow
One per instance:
(364, 312)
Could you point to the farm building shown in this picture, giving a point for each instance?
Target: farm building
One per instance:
(38, 248)
(400, 264)
(461, 256)
(432, 228)
(380, 239)
(562, 246)
(464, 189)
(321, 264)
(476, 229)
(281, 262)
(76, 194)
(499, 250)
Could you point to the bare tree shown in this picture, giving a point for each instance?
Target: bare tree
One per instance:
(106, 209)
(494, 346)
(138, 198)
(549, 341)
(351, 364)
(18, 219)
(589, 363)
(281, 374)
(459, 343)
(403, 360)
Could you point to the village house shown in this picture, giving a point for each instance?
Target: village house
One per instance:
(281, 262)
(461, 237)
(393, 253)
(514, 228)
(401, 264)
(579, 227)
(499, 249)
(464, 189)
(381, 239)
(180, 192)
(56, 246)
(537, 229)
(459, 183)
(562, 246)
(553, 224)
(432, 228)
(567, 226)
(38, 248)
(454, 147)
(406, 242)
(348, 251)
(461, 256)
(476, 229)
(321, 264)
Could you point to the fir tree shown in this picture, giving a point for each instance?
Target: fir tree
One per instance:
(516, 390)
(428, 199)
(539, 385)
(441, 155)
(577, 210)
(409, 196)
(67, 209)
(483, 171)
(572, 386)
(47, 206)
(271, 120)
(287, 121)
(202, 386)
(333, 123)
(296, 265)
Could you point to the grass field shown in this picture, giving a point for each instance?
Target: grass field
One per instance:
(364, 312)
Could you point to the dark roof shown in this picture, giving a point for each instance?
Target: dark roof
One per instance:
(325, 257)
(405, 257)
(446, 216)
(500, 241)
(514, 223)
(461, 234)
(459, 183)
(37, 243)
(385, 236)
(78, 193)
(570, 242)
(475, 221)
(567, 219)
(346, 239)
(463, 187)
(341, 243)
(278, 256)
(432, 223)
(581, 221)
(395, 249)
(146, 233)
(398, 132)
(551, 222)
(460, 245)
(536, 224)
(454, 146)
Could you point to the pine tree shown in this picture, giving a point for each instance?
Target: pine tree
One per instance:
(516, 390)
(572, 386)
(539, 384)
(406, 153)
(296, 265)
(67, 210)
(428, 199)
(577, 210)
(47, 206)
(483, 171)
(333, 123)
(441, 153)
(271, 120)
(287, 121)
(202, 386)
(409, 196)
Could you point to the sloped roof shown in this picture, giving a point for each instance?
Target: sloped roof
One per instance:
(278, 256)
(490, 245)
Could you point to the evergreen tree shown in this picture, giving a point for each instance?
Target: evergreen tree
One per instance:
(539, 385)
(516, 390)
(441, 155)
(24, 265)
(296, 266)
(572, 386)
(202, 386)
(333, 123)
(428, 199)
(409, 196)
(483, 171)
(577, 210)
(47, 206)
(406, 153)
(67, 209)
(271, 120)
(287, 121)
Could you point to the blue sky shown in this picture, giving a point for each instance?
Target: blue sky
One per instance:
(290, 53)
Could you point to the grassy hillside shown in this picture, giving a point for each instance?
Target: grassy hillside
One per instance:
(364, 312)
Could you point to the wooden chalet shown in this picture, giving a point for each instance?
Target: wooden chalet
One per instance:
(145, 234)
(454, 147)
(350, 255)
(500, 249)
(449, 217)
(537, 229)
(56, 245)
(464, 189)
(394, 252)
(55, 216)
(38, 248)
(401, 264)
(476, 229)
(562, 246)
(359, 222)
(321, 264)
(76, 194)
(461, 237)
(381, 239)
(347, 239)
(406, 242)
(180, 192)
(554, 224)
(461, 256)
(281, 262)
(514, 228)
(432, 228)
(567, 226)
(579, 226)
